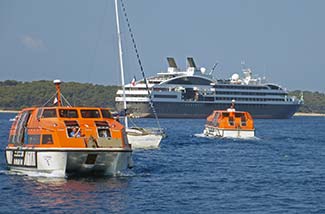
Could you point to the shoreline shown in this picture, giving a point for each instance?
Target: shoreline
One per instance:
(8, 111)
(298, 114)
(309, 114)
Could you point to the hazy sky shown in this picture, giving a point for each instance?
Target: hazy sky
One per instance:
(75, 40)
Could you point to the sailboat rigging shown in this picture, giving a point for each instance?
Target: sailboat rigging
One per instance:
(138, 137)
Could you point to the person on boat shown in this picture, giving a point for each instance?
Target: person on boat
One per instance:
(75, 132)
(103, 133)
(49, 140)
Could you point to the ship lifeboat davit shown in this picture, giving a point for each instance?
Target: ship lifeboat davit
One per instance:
(58, 141)
(229, 123)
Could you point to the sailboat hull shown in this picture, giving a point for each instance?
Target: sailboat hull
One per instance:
(144, 141)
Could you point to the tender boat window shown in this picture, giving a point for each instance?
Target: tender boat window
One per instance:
(231, 121)
(47, 113)
(215, 120)
(106, 113)
(39, 113)
(225, 114)
(243, 120)
(68, 113)
(238, 114)
(47, 139)
(103, 129)
(90, 114)
(34, 139)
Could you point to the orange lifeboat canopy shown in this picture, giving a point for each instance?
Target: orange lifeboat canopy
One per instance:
(230, 120)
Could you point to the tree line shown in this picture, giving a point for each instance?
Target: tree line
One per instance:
(15, 95)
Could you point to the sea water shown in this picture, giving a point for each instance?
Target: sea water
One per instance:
(282, 171)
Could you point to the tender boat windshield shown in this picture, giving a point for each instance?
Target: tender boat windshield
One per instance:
(68, 113)
(48, 113)
(90, 114)
(106, 113)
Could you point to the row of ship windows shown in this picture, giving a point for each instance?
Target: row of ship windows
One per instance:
(242, 87)
(250, 93)
(221, 98)
(230, 92)
(248, 99)
(184, 104)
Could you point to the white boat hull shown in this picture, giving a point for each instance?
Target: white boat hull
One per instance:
(231, 133)
(141, 138)
(144, 141)
(58, 162)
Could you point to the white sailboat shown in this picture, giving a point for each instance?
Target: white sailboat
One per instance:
(137, 137)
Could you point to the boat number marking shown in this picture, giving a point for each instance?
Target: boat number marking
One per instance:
(48, 159)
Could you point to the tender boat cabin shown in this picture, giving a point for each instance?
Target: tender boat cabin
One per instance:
(231, 120)
(80, 127)
(230, 123)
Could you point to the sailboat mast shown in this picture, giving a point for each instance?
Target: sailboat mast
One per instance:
(121, 61)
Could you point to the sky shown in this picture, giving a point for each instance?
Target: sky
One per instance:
(76, 40)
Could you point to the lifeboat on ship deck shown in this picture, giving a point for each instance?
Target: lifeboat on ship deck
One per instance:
(66, 140)
(229, 123)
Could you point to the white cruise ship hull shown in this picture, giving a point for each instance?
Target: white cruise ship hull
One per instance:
(58, 162)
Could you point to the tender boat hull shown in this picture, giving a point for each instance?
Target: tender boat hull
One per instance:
(61, 162)
(231, 133)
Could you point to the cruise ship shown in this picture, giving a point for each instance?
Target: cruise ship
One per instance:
(195, 93)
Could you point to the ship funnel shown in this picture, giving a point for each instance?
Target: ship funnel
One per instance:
(172, 66)
(191, 62)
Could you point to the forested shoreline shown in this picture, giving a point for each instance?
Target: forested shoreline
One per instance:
(15, 95)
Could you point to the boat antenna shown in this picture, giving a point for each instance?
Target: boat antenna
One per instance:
(57, 96)
(140, 63)
(214, 67)
(57, 84)
(121, 62)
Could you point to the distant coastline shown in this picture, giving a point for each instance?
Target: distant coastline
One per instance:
(296, 114)
(309, 114)
(8, 111)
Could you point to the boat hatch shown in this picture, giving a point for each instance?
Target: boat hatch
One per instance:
(103, 129)
(20, 134)
(215, 119)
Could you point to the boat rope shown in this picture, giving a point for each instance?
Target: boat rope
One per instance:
(53, 96)
(140, 63)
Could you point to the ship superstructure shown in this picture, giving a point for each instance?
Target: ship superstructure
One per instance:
(195, 93)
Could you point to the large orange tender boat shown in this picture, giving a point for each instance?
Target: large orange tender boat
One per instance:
(65, 140)
(229, 123)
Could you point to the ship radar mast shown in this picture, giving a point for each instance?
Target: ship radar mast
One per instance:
(57, 84)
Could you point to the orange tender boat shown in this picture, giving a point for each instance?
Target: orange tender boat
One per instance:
(60, 141)
(230, 123)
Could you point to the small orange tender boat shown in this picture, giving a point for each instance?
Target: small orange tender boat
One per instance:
(67, 140)
(230, 123)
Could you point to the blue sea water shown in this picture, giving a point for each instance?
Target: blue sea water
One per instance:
(282, 171)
